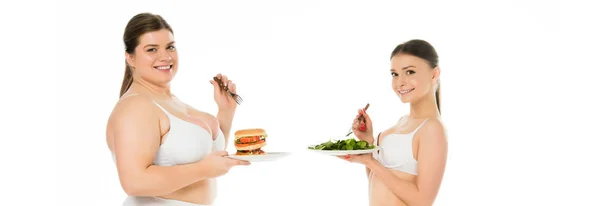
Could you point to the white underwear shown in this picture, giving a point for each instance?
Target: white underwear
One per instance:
(156, 201)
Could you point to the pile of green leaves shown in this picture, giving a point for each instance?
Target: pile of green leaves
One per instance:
(348, 144)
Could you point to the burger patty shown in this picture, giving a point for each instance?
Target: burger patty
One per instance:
(250, 152)
(249, 144)
(245, 140)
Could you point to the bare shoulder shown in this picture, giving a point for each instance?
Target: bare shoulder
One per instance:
(132, 108)
(433, 129)
(129, 116)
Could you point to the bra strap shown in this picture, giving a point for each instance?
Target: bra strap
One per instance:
(417, 129)
(161, 108)
(156, 103)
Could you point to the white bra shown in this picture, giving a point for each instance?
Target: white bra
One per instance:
(396, 152)
(185, 142)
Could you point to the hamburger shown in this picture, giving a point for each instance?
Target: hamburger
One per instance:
(250, 141)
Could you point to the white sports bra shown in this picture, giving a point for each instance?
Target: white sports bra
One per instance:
(397, 152)
(185, 142)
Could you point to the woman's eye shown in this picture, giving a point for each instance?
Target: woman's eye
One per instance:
(409, 72)
(151, 50)
(394, 74)
(171, 48)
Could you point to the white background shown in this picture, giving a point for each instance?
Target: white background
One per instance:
(517, 94)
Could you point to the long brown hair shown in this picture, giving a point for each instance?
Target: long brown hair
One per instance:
(423, 50)
(137, 26)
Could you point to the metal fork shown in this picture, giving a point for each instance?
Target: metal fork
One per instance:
(235, 97)
(361, 119)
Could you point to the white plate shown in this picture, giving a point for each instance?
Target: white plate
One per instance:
(268, 156)
(344, 152)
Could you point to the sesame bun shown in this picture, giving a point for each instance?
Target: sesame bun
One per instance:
(250, 132)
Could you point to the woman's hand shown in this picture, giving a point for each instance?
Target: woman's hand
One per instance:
(224, 101)
(361, 158)
(363, 129)
(217, 163)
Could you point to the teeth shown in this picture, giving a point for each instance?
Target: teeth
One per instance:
(163, 67)
(405, 91)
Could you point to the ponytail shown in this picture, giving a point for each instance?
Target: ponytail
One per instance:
(127, 80)
(437, 98)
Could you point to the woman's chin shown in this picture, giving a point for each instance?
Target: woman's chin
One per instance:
(166, 78)
(404, 99)
(162, 81)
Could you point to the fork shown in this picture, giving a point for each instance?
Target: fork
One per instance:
(361, 118)
(235, 97)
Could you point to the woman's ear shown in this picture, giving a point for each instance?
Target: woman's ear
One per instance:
(129, 58)
(436, 75)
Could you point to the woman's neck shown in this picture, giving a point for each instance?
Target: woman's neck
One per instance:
(159, 91)
(425, 107)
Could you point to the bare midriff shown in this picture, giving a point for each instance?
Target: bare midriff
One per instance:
(202, 192)
(381, 195)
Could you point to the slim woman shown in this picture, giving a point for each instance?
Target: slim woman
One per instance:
(409, 167)
(166, 152)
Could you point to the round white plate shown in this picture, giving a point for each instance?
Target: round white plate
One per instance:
(268, 156)
(344, 152)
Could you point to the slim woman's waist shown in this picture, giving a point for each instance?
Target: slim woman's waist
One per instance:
(380, 195)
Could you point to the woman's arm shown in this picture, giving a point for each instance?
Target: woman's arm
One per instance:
(431, 165)
(225, 118)
(136, 132)
(376, 142)
(373, 142)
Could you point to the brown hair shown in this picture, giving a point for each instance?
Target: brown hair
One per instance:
(137, 26)
(425, 51)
